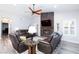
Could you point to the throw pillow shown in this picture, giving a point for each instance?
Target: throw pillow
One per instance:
(23, 38)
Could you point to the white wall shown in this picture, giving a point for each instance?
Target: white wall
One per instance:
(36, 21)
(20, 15)
(20, 22)
(60, 17)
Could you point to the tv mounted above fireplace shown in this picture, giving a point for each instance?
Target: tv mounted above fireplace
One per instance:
(46, 23)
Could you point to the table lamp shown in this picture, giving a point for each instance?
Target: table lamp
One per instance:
(32, 30)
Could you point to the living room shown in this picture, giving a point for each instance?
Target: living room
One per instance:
(21, 17)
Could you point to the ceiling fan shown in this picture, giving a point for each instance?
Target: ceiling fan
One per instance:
(38, 12)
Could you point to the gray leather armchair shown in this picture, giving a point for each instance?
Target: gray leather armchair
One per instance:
(18, 46)
(16, 42)
(48, 45)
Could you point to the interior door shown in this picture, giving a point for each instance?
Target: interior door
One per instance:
(5, 29)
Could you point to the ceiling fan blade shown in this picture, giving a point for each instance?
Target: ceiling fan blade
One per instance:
(30, 9)
(38, 10)
(37, 13)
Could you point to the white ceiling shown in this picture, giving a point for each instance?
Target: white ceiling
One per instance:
(22, 8)
(60, 7)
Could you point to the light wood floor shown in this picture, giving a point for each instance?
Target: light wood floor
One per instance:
(67, 48)
(63, 48)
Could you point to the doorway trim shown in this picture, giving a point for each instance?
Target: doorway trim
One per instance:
(5, 20)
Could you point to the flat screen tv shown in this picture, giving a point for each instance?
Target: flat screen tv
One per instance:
(46, 23)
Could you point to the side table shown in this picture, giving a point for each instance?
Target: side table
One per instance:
(32, 49)
(31, 46)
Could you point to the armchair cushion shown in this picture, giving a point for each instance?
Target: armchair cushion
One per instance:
(22, 47)
(44, 47)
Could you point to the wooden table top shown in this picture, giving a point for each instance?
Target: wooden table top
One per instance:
(29, 42)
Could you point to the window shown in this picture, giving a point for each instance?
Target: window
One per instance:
(69, 27)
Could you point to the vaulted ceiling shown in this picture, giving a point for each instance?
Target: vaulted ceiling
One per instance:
(23, 8)
(60, 7)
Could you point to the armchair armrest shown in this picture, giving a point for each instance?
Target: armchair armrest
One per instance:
(44, 42)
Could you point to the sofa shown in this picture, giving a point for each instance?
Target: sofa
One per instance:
(49, 44)
(24, 32)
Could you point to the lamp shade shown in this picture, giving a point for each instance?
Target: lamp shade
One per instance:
(32, 29)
